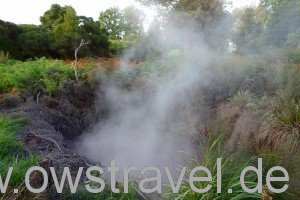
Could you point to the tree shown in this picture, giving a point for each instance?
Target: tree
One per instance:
(53, 16)
(119, 24)
(112, 20)
(69, 24)
(205, 17)
(133, 22)
(283, 20)
(63, 24)
(123, 27)
(65, 32)
(74, 64)
(68, 29)
(89, 30)
(248, 29)
(34, 41)
(9, 33)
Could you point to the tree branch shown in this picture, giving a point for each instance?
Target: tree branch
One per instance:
(74, 64)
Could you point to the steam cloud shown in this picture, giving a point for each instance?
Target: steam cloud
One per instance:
(149, 125)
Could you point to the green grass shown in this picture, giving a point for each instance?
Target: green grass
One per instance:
(12, 151)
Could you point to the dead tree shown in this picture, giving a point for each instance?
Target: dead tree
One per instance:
(74, 64)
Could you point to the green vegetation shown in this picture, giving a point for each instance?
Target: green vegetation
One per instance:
(34, 76)
(12, 151)
(267, 25)
(232, 167)
(61, 29)
(118, 46)
(4, 57)
(254, 96)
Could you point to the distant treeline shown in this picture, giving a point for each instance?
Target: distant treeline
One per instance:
(271, 24)
(61, 30)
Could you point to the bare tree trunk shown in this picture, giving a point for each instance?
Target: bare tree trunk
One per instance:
(74, 64)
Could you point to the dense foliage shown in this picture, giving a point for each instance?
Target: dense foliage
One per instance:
(37, 76)
(61, 30)
(272, 24)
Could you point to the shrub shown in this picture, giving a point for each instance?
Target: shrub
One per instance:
(116, 47)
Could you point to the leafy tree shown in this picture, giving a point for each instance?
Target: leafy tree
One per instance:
(53, 16)
(89, 30)
(9, 33)
(69, 25)
(119, 24)
(247, 29)
(63, 24)
(34, 41)
(112, 20)
(64, 29)
(201, 17)
(283, 20)
(207, 17)
(133, 22)
(68, 29)
(123, 27)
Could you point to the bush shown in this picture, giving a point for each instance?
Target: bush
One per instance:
(116, 47)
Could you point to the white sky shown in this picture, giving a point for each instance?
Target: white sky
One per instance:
(29, 11)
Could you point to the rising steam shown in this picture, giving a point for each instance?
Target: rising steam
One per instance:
(151, 124)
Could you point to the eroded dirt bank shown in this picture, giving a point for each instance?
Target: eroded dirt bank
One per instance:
(54, 122)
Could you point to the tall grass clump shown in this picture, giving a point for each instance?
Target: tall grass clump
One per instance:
(12, 151)
(231, 169)
(4, 57)
(283, 123)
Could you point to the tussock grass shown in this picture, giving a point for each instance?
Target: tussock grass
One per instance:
(283, 123)
(241, 98)
(231, 169)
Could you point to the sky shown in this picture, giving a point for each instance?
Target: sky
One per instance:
(29, 11)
